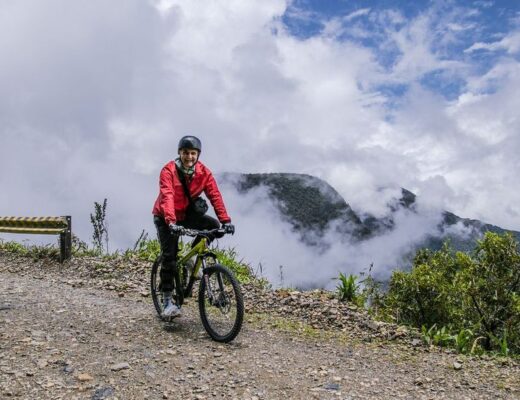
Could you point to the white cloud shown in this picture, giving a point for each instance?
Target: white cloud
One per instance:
(358, 13)
(93, 104)
(283, 259)
(510, 43)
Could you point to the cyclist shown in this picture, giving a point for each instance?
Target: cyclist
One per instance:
(171, 209)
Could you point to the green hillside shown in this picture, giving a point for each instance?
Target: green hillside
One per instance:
(311, 206)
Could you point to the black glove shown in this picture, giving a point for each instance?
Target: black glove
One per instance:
(176, 229)
(229, 228)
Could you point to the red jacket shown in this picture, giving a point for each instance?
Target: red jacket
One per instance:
(172, 201)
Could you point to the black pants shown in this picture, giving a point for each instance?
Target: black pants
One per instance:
(170, 244)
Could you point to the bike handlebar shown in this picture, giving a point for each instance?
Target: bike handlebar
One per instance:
(196, 232)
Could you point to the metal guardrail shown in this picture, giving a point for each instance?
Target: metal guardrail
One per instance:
(42, 226)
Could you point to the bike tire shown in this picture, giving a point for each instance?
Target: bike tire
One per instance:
(155, 288)
(223, 315)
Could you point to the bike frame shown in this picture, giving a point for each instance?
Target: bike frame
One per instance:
(199, 250)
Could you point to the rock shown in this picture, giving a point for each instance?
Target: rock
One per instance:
(120, 366)
(373, 325)
(201, 389)
(457, 366)
(103, 393)
(68, 368)
(401, 331)
(85, 377)
(331, 386)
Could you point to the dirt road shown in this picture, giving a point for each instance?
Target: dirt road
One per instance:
(63, 342)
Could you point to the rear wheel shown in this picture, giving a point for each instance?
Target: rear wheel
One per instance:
(221, 304)
(155, 286)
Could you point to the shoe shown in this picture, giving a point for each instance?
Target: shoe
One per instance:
(170, 309)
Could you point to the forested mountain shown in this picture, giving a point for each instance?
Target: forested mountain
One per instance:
(312, 206)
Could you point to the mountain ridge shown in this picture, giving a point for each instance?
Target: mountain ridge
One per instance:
(311, 206)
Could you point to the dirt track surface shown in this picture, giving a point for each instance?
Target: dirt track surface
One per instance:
(59, 341)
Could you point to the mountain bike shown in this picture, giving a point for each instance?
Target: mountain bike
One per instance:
(221, 305)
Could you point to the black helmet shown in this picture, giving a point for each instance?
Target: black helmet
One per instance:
(190, 142)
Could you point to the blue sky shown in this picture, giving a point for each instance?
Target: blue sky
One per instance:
(370, 96)
(455, 26)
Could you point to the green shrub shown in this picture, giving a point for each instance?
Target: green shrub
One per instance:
(13, 247)
(147, 249)
(465, 341)
(439, 337)
(475, 296)
(427, 294)
(36, 252)
(347, 288)
(44, 251)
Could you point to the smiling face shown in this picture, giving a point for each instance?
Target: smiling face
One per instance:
(188, 157)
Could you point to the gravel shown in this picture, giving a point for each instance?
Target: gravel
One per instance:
(87, 329)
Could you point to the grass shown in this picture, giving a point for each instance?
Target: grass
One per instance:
(33, 251)
(14, 247)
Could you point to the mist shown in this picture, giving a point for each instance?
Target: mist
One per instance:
(275, 250)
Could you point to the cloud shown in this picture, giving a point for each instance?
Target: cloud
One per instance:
(358, 13)
(510, 43)
(93, 104)
(277, 253)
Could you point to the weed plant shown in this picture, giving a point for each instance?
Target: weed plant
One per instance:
(347, 288)
(98, 221)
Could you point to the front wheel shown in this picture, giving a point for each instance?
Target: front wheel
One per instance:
(221, 304)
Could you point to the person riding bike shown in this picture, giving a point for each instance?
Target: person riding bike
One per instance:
(181, 182)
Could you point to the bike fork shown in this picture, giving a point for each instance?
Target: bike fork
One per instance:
(209, 288)
(211, 295)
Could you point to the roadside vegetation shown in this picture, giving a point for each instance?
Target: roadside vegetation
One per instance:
(467, 301)
(145, 249)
